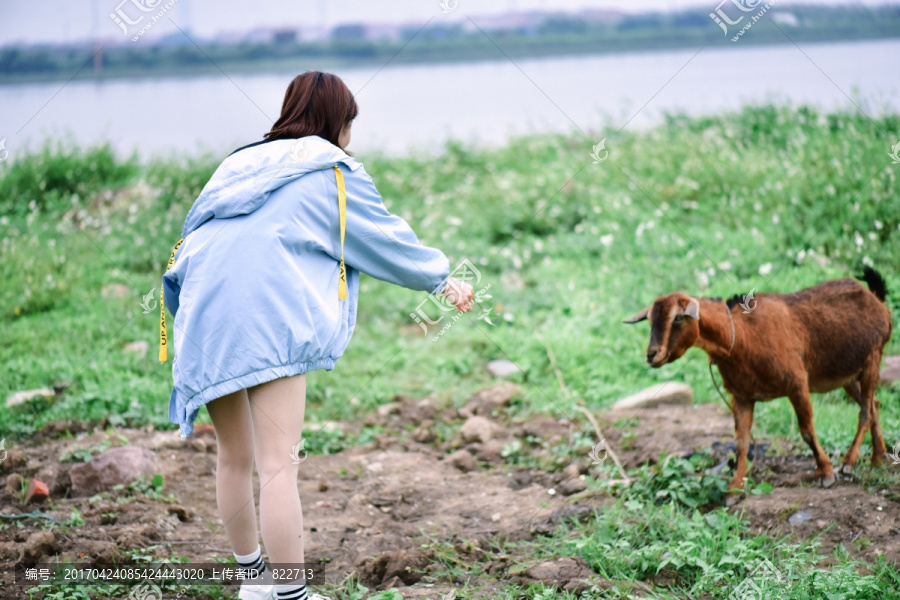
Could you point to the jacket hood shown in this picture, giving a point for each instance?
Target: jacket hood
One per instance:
(244, 180)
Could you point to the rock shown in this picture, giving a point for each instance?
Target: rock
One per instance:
(891, 370)
(462, 460)
(323, 484)
(181, 512)
(572, 486)
(799, 517)
(478, 429)
(375, 467)
(657, 395)
(14, 483)
(26, 395)
(37, 492)
(559, 571)
(115, 466)
(502, 368)
(490, 399)
(520, 479)
(198, 444)
(138, 347)
(37, 545)
(571, 472)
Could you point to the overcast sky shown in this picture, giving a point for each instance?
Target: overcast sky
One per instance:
(68, 20)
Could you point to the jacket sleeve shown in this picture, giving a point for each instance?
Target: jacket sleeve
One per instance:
(384, 245)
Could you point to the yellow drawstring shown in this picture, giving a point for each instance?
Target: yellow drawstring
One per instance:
(342, 209)
(163, 338)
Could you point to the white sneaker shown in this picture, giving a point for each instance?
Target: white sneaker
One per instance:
(315, 596)
(256, 592)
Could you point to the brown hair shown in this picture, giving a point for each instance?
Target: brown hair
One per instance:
(315, 103)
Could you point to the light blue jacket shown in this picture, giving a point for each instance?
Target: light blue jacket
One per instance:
(254, 286)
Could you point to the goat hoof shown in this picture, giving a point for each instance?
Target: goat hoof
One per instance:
(847, 469)
(828, 481)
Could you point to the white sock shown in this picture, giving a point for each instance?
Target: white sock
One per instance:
(252, 564)
(291, 591)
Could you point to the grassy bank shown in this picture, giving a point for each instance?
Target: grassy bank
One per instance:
(768, 198)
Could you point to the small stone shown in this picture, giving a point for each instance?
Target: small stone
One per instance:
(571, 472)
(462, 460)
(559, 571)
(323, 484)
(26, 395)
(37, 492)
(478, 429)
(181, 512)
(891, 370)
(799, 517)
(667, 393)
(495, 517)
(502, 368)
(375, 467)
(198, 444)
(572, 486)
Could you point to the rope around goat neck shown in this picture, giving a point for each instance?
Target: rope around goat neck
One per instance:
(711, 362)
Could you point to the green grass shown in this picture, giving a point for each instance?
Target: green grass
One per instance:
(768, 198)
(568, 247)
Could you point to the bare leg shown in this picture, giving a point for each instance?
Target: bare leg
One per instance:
(278, 409)
(234, 470)
(803, 408)
(743, 423)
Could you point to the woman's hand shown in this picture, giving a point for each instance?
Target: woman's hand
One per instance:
(459, 293)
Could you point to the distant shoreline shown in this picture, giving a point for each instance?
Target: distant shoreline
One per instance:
(516, 48)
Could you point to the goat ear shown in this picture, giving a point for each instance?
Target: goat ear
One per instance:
(641, 316)
(692, 310)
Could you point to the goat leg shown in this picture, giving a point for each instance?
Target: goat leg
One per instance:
(743, 423)
(854, 390)
(878, 447)
(803, 408)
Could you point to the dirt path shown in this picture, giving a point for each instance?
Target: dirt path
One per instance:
(382, 512)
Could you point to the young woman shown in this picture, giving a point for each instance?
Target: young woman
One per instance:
(264, 288)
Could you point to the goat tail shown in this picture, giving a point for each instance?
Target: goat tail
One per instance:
(875, 282)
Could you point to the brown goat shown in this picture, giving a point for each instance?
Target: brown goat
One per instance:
(816, 340)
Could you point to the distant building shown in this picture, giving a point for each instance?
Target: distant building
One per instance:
(284, 35)
(785, 18)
